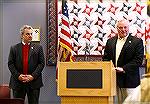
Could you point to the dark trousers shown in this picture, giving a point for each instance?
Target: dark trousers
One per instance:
(32, 94)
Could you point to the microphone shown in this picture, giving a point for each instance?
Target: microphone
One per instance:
(120, 30)
(123, 33)
(88, 48)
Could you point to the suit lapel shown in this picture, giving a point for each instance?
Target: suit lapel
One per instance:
(127, 43)
(31, 50)
(114, 47)
(20, 51)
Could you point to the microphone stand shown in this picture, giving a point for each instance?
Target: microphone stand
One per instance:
(87, 52)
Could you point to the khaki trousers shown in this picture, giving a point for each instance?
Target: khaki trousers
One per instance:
(122, 93)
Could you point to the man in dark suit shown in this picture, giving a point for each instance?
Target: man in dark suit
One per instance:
(26, 62)
(127, 53)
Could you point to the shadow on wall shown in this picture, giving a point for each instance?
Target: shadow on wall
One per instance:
(148, 10)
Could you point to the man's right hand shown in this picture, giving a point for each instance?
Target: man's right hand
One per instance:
(25, 78)
(22, 78)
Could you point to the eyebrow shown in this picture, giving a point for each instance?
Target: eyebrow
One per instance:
(122, 26)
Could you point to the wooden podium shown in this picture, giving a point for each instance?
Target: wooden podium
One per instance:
(86, 82)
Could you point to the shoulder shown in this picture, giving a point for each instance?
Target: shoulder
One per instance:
(138, 42)
(16, 45)
(136, 38)
(112, 39)
(36, 46)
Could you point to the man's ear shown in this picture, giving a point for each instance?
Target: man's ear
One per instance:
(21, 36)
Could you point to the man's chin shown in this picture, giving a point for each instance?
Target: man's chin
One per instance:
(30, 41)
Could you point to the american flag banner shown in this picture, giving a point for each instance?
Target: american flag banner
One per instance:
(65, 43)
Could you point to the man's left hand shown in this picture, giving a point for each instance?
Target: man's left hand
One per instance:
(119, 69)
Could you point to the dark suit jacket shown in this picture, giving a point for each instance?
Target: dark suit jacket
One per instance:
(130, 59)
(36, 65)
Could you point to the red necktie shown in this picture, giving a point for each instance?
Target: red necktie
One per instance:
(25, 51)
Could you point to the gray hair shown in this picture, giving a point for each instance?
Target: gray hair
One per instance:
(25, 27)
(122, 20)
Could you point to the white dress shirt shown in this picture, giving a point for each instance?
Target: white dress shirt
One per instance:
(119, 46)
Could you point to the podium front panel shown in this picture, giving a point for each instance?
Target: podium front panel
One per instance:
(73, 79)
(84, 78)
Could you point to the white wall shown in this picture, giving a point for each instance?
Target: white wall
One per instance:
(1, 42)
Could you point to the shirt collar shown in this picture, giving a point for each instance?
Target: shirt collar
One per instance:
(124, 38)
(25, 43)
